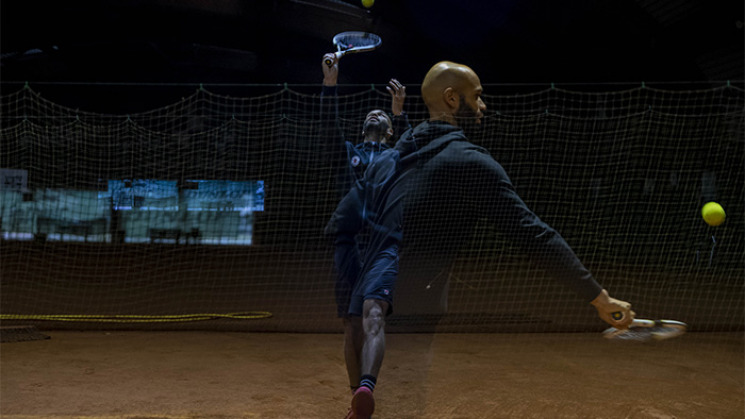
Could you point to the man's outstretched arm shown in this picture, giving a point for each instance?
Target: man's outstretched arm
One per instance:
(545, 245)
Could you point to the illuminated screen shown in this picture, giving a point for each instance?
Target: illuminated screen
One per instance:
(217, 212)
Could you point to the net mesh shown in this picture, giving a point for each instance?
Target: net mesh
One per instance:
(216, 205)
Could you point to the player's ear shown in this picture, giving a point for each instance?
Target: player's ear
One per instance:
(451, 98)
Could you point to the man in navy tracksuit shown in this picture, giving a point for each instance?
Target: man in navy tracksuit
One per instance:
(418, 200)
(379, 131)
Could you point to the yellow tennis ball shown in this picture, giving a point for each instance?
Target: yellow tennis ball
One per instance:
(368, 3)
(713, 214)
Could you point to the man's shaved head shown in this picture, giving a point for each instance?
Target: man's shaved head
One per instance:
(449, 86)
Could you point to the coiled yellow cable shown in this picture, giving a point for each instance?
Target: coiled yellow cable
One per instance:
(133, 318)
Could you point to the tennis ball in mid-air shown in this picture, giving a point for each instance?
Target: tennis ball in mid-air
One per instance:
(368, 3)
(713, 214)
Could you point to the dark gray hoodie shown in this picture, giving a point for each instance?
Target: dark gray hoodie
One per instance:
(427, 195)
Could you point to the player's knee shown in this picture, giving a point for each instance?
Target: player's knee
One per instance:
(374, 316)
(374, 325)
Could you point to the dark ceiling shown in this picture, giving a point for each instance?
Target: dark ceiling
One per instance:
(277, 41)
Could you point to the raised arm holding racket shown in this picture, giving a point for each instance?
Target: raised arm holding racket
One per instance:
(380, 129)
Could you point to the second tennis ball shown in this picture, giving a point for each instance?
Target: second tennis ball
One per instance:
(368, 3)
(713, 214)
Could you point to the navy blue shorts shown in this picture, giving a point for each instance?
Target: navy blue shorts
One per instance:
(377, 282)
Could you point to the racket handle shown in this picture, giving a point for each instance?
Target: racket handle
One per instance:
(329, 62)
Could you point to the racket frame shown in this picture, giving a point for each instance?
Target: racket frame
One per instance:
(342, 50)
(644, 330)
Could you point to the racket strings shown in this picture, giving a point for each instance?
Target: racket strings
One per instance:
(357, 40)
(643, 333)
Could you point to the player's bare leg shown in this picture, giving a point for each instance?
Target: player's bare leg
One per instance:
(354, 338)
(373, 323)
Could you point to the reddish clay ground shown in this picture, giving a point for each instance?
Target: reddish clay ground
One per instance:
(248, 375)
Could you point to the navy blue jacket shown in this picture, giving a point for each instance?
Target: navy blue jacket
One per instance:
(358, 156)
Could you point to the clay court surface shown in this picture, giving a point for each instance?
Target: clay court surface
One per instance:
(191, 374)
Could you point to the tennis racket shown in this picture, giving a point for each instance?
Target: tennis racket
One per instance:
(645, 330)
(354, 42)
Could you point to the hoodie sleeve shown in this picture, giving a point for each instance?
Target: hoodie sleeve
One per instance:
(400, 125)
(347, 219)
(501, 204)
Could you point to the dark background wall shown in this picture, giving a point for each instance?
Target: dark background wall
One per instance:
(278, 41)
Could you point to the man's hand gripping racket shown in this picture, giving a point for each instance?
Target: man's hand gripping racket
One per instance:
(626, 327)
(616, 313)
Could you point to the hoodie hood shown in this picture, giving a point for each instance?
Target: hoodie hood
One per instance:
(427, 140)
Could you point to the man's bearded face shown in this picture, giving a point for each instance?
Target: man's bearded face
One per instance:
(467, 117)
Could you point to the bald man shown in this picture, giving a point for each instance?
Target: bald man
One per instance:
(418, 201)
